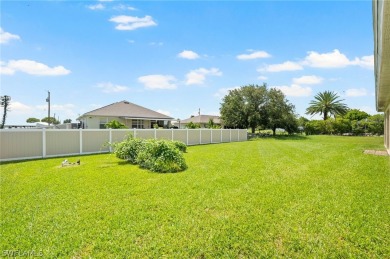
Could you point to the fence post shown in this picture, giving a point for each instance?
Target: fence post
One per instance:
(200, 136)
(211, 135)
(43, 142)
(172, 135)
(155, 133)
(81, 141)
(110, 140)
(221, 135)
(135, 133)
(230, 135)
(187, 136)
(238, 136)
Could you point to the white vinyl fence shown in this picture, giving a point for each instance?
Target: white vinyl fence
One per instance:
(19, 144)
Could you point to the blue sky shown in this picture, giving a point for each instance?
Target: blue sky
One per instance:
(178, 56)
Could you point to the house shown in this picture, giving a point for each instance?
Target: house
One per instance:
(203, 120)
(381, 20)
(130, 114)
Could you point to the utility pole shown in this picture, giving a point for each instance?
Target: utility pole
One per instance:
(199, 116)
(48, 104)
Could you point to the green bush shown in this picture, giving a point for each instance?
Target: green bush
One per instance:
(161, 156)
(156, 155)
(180, 145)
(129, 149)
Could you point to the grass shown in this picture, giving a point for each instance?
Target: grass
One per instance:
(316, 196)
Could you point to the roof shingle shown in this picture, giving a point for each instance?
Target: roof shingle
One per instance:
(127, 109)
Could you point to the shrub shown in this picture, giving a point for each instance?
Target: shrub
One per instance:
(180, 145)
(129, 149)
(156, 155)
(161, 156)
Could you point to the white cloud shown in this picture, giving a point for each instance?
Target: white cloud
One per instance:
(129, 23)
(164, 112)
(333, 59)
(5, 70)
(198, 76)
(31, 67)
(20, 108)
(354, 92)
(222, 92)
(286, 66)
(158, 81)
(108, 87)
(262, 78)
(308, 80)
(96, 7)
(156, 43)
(124, 7)
(294, 90)
(365, 62)
(6, 37)
(254, 55)
(188, 54)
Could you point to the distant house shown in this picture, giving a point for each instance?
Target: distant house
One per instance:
(130, 114)
(381, 19)
(203, 120)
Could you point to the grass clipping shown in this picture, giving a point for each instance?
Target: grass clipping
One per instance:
(161, 156)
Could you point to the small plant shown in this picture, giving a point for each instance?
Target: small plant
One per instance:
(180, 145)
(156, 155)
(115, 125)
(129, 149)
(161, 156)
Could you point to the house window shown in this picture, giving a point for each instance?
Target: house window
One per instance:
(102, 123)
(137, 124)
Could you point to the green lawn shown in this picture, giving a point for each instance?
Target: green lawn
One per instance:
(318, 196)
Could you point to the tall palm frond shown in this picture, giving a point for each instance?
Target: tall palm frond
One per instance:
(327, 103)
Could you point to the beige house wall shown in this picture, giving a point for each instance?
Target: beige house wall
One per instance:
(93, 122)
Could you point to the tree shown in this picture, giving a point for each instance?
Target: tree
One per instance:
(52, 120)
(279, 113)
(68, 121)
(356, 115)
(376, 124)
(5, 101)
(244, 107)
(192, 125)
(32, 120)
(327, 103)
(115, 125)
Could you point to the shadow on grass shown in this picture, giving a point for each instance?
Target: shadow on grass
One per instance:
(280, 137)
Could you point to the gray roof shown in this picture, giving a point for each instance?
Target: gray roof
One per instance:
(128, 110)
(203, 119)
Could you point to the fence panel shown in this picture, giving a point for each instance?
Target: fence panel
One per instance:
(216, 136)
(180, 135)
(205, 136)
(120, 135)
(193, 137)
(37, 143)
(243, 135)
(144, 134)
(164, 134)
(20, 144)
(226, 136)
(59, 142)
(95, 141)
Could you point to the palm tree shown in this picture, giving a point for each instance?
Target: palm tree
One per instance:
(5, 102)
(327, 103)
